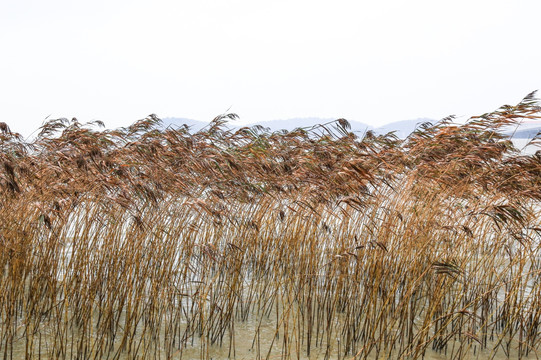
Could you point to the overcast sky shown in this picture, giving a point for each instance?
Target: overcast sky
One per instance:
(371, 61)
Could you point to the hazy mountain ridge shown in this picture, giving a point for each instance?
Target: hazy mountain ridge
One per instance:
(527, 133)
(401, 128)
(526, 130)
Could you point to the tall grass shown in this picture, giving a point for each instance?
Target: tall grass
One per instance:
(158, 243)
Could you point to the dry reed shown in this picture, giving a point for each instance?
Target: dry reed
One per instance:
(160, 243)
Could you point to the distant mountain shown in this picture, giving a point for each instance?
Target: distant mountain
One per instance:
(525, 130)
(527, 133)
(194, 125)
(273, 125)
(402, 128)
(291, 124)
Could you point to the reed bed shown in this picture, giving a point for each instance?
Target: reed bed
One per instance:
(153, 243)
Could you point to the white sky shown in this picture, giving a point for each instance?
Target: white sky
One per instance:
(371, 61)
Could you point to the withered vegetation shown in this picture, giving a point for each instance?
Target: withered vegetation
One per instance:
(149, 242)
